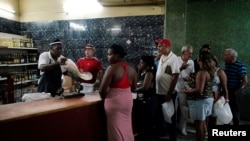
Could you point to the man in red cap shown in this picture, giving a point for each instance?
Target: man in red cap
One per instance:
(91, 64)
(166, 77)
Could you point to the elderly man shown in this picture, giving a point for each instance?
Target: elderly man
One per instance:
(186, 69)
(166, 77)
(237, 79)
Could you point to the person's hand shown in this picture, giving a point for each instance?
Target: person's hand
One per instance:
(187, 78)
(97, 84)
(184, 66)
(168, 97)
(226, 101)
(81, 70)
(63, 61)
(186, 88)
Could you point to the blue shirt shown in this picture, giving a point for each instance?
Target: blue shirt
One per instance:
(235, 73)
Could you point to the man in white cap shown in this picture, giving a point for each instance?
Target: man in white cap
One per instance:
(51, 71)
(91, 64)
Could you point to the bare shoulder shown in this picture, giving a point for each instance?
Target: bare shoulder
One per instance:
(202, 74)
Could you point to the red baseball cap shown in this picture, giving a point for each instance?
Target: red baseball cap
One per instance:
(157, 42)
(166, 42)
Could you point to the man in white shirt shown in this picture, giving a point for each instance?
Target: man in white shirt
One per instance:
(166, 77)
(51, 70)
(186, 68)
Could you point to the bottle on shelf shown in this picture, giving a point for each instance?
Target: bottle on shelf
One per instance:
(21, 43)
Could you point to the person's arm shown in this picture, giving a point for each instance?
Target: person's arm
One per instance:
(107, 78)
(223, 82)
(172, 86)
(200, 81)
(99, 77)
(244, 81)
(146, 82)
(243, 84)
(43, 63)
(46, 67)
(134, 81)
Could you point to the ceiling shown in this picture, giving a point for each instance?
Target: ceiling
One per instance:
(130, 2)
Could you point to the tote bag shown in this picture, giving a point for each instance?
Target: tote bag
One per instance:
(168, 110)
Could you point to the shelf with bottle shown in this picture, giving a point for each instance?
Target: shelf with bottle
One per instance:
(3, 78)
(18, 59)
(24, 77)
(16, 42)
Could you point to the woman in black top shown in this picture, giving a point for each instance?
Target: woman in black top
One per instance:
(146, 102)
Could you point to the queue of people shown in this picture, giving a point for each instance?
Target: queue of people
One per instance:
(193, 86)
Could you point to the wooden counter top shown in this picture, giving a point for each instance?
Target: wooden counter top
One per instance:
(29, 109)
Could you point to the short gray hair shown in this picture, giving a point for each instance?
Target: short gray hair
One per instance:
(185, 48)
(232, 52)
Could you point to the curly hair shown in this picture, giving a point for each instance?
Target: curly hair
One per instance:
(117, 49)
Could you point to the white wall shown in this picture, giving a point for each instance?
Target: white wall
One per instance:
(12, 5)
(46, 10)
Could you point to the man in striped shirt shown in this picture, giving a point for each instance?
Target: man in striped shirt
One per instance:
(237, 79)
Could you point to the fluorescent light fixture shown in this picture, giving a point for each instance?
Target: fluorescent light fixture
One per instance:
(82, 7)
(77, 26)
(7, 10)
(116, 29)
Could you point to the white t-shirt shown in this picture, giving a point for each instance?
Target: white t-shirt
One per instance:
(183, 74)
(46, 58)
(167, 67)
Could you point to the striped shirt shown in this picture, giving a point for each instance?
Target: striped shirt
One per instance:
(235, 73)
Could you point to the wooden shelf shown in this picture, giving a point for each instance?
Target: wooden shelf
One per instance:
(20, 48)
(26, 81)
(16, 65)
(3, 78)
(25, 64)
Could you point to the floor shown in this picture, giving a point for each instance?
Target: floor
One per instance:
(189, 137)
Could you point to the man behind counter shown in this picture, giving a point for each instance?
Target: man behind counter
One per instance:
(51, 71)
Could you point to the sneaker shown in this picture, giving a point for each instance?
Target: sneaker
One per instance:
(183, 132)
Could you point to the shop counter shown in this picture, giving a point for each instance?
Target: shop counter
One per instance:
(72, 119)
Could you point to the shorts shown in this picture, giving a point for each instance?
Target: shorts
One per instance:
(200, 109)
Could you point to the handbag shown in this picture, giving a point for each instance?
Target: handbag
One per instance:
(168, 110)
(222, 111)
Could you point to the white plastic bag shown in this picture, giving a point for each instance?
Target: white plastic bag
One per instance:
(222, 111)
(71, 66)
(35, 96)
(168, 110)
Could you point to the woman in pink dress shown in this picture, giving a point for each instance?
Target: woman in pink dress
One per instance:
(118, 82)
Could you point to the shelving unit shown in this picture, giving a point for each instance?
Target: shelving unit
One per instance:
(18, 68)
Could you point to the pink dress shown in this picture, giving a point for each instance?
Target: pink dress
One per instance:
(118, 108)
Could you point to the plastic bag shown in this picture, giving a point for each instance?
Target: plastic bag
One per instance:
(71, 66)
(168, 110)
(222, 111)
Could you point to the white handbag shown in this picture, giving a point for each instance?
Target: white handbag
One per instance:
(222, 111)
(168, 110)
